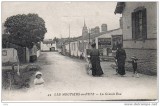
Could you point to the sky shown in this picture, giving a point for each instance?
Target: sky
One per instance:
(59, 15)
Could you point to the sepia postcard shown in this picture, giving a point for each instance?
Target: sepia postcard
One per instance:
(79, 51)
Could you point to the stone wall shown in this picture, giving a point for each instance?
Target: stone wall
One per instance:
(147, 60)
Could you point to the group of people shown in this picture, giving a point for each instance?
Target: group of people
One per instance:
(96, 69)
(120, 61)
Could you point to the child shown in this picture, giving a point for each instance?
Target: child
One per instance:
(134, 64)
(38, 81)
(114, 66)
(81, 56)
(89, 70)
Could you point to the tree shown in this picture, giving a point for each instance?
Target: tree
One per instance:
(56, 39)
(25, 30)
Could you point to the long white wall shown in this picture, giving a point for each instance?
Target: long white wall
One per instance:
(46, 47)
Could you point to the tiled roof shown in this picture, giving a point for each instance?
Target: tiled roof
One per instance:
(48, 41)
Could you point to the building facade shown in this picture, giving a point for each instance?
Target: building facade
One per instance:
(48, 45)
(108, 41)
(139, 26)
(105, 41)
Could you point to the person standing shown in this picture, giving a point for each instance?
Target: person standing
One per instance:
(95, 61)
(121, 57)
(134, 64)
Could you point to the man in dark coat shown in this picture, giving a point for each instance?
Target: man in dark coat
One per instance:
(121, 57)
(95, 61)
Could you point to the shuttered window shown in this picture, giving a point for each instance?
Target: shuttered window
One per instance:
(139, 24)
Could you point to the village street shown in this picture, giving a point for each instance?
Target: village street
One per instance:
(66, 79)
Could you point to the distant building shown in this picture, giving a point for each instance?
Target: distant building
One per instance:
(104, 28)
(84, 30)
(139, 23)
(92, 31)
(48, 45)
(108, 41)
(104, 42)
(97, 30)
(84, 34)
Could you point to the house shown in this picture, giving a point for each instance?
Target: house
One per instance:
(48, 45)
(139, 27)
(108, 41)
(82, 44)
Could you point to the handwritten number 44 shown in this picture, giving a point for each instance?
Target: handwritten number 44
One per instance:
(49, 95)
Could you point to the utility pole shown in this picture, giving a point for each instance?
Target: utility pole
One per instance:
(89, 36)
(69, 42)
(61, 41)
(89, 39)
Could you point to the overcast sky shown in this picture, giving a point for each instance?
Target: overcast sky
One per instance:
(58, 15)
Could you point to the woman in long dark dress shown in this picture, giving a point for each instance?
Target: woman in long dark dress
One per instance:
(95, 61)
(121, 57)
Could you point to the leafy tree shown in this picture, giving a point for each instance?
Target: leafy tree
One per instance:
(5, 39)
(25, 30)
(56, 39)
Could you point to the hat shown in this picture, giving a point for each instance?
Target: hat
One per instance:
(88, 56)
(93, 45)
(38, 73)
(134, 57)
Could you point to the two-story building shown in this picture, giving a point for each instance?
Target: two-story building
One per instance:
(139, 27)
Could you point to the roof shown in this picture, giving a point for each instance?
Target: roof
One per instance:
(109, 33)
(119, 7)
(92, 36)
(100, 34)
(67, 40)
(48, 41)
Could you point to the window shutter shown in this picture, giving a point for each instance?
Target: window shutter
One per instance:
(144, 24)
(133, 25)
(137, 30)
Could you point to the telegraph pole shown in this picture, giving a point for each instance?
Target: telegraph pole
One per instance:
(89, 36)
(89, 39)
(69, 42)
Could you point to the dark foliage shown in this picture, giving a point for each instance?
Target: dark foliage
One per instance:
(24, 30)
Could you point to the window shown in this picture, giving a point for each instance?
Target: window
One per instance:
(139, 24)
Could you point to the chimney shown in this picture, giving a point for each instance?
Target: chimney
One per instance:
(104, 28)
(97, 30)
